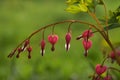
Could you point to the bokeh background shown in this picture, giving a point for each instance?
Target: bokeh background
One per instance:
(19, 18)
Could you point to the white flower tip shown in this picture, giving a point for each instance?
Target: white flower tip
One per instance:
(67, 47)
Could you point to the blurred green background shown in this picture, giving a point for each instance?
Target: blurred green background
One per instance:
(19, 18)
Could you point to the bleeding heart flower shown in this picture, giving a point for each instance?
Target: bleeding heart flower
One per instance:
(19, 51)
(85, 35)
(87, 45)
(29, 49)
(112, 55)
(100, 69)
(53, 39)
(42, 44)
(68, 39)
(108, 77)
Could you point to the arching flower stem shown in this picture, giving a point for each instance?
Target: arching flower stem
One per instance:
(53, 25)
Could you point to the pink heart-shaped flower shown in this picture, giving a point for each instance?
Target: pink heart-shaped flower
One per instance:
(52, 39)
(100, 69)
(87, 44)
(108, 77)
(87, 33)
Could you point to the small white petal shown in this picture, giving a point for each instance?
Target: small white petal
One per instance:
(67, 47)
(41, 52)
(23, 48)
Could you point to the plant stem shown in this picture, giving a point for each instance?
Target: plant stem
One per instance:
(106, 23)
(98, 22)
(112, 68)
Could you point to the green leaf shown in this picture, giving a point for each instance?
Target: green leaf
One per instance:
(112, 26)
(118, 18)
(89, 1)
(73, 9)
(100, 2)
(83, 8)
(69, 2)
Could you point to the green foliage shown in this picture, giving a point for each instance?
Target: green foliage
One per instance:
(115, 16)
(112, 26)
(76, 6)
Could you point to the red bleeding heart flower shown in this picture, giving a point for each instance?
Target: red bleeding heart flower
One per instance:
(112, 54)
(29, 49)
(19, 51)
(53, 39)
(87, 45)
(85, 35)
(68, 39)
(108, 77)
(26, 43)
(42, 44)
(100, 69)
(86, 42)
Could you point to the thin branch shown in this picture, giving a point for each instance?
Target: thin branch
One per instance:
(112, 68)
(106, 17)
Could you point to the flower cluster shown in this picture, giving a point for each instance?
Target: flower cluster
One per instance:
(53, 39)
(87, 43)
(25, 47)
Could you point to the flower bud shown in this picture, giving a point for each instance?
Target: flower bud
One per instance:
(68, 39)
(112, 55)
(19, 51)
(42, 44)
(26, 43)
(29, 49)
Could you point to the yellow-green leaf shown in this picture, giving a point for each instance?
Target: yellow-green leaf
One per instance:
(89, 1)
(71, 1)
(73, 9)
(83, 7)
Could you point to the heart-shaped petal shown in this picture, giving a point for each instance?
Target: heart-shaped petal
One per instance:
(87, 44)
(52, 39)
(100, 69)
(108, 77)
